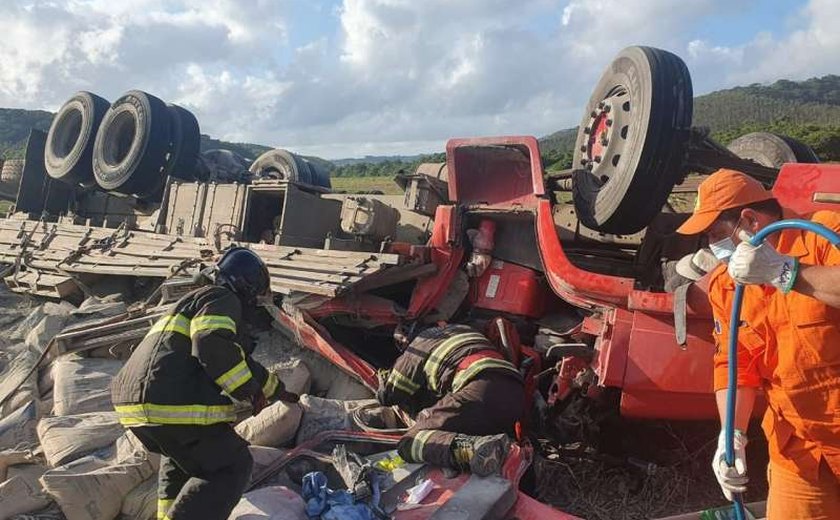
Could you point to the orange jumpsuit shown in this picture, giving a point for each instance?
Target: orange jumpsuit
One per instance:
(789, 345)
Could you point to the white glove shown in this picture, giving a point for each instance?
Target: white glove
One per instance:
(763, 265)
(731, 479)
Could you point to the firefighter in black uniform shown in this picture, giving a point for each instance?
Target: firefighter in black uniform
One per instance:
(469, 395)
(175, 391)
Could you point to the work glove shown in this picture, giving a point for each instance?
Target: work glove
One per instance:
(762, 265)
(281, 394)
(731, 479)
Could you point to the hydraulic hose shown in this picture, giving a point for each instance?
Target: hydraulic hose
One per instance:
(735, 321)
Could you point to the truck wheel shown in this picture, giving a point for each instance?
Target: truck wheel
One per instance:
(283, 165)
(772, 150)
(632, 140)
(186, 143)
(69, 149)
(132, 144)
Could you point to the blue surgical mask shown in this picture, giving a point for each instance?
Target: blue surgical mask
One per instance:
(723, 249)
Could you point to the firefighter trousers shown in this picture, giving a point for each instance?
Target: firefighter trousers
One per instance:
(203, 469)
(489, 404)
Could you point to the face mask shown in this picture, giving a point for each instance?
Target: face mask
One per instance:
(723, 249)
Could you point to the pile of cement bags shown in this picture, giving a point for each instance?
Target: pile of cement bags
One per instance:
(64, 455)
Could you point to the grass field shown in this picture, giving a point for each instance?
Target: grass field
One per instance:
(5, 205)
(356, 184)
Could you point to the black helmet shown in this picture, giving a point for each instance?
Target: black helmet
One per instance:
(243, 272)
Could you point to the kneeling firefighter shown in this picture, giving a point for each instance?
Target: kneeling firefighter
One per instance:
(175, 391)
(469, 395)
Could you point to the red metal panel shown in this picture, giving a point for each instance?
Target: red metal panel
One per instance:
(612, 347)
(665, 380)
(508, 287)
(797, 183)
(570, 282)
(479, 176)
(367, 307)
(447, 255)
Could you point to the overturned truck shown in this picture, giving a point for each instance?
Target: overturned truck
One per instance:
(565, 271)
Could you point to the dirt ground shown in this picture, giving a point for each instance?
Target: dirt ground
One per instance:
(681, 481)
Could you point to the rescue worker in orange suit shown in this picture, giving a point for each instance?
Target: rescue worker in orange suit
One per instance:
(788, 343)
(469, 398)
(175, 392)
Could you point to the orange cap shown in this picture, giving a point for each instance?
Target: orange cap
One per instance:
(724, 189)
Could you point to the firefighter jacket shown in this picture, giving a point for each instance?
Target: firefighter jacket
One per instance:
(438, 361)
(190, 364)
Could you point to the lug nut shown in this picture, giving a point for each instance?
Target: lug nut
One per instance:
(593, 114)
(583, 148)
(587, 130)
(584, 162)
(607, 108)
(597, 158)
(609, 122)
(601, 104)
(589, 166)
(605, 141)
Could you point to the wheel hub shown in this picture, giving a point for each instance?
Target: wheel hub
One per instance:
(604, 132)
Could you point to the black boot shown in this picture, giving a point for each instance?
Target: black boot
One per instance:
(483, 455)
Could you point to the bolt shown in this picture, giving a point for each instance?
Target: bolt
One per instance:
(601, 104)
(597, 158)
(587, 130)
(593, 114)
(584, 162)
(589, 166)
(604, 141)
(607, 108)
(609, 122)
(583, 148)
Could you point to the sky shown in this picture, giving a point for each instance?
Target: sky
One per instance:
(384, 77)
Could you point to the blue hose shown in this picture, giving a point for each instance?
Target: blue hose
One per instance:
(735, 321)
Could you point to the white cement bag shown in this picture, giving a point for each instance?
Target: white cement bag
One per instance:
(18, 382)
(270, 503)
(274, 426)
(83, 385)
(68, 438)
(294, 375)
(93, 489)
(18, 428)
(141, 502)
(18, 496)
(320, 415)
(263, 458)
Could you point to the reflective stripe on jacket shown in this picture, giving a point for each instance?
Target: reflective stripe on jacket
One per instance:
(431, 366)
(189, 365)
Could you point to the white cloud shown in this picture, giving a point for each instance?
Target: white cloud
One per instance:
(383, 76)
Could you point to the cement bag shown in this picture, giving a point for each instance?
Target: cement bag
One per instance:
(18, 382)
(141, 502)
(270, 503)
(83, 385)
(23, 328)
(49, 327)
(294, 375)
(263, 459)
(320, 415)
(130, 449)
(93, 489)
(68, 438)
(18, 496)
(18, 428)
(274, 426)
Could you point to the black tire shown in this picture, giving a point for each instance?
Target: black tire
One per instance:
(68, 153)
(642, 108)
(772, 150)
(320, 175)
(132, 145)
(283, 165)
(186, 144)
